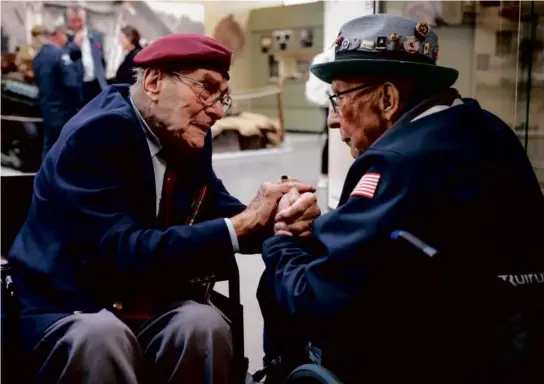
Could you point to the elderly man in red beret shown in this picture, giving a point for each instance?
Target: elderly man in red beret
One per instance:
(127, 211)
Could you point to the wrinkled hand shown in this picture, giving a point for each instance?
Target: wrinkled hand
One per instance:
(260, 211)
(296, 214)
(280, 228)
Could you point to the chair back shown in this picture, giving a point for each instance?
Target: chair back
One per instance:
(16, 196)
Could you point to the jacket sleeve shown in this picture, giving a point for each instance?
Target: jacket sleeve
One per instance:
(88, 175)
(227, 206)
(322, 279)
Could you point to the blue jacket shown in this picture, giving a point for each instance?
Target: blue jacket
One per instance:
(92, 236)
(58, 80)
(460, 180)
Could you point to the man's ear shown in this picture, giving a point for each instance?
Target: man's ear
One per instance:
(152, 83)
(390, 101)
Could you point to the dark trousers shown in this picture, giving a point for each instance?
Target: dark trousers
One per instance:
(190, 343)
(90, 90)
(281, 334)
(325, 153)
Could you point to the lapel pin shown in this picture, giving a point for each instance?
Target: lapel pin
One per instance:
(367, 44)
(427, 48)
(422, 30)
(355, 43)
(411, 45)
(394, 42)
(381, 42)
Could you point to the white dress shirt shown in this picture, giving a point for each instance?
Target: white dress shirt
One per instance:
(87, 57)
(159, 169)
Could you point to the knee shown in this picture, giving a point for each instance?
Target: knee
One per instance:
(204, 320)
(101, 331)
(199, 325)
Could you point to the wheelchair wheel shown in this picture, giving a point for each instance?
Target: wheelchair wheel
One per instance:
(312, 374)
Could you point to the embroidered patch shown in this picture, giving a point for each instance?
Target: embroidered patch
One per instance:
(366, 187)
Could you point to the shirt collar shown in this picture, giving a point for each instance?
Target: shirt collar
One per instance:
(152, 139)
(437, 108)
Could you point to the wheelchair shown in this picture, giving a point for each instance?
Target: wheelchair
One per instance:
(523, 329)
(16, 198)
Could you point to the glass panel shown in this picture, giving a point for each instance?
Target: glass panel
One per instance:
(498, 49)
(531, 84)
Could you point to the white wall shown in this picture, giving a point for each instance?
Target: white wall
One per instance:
(336, 14)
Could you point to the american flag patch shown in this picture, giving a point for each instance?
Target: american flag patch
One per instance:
(367, 185)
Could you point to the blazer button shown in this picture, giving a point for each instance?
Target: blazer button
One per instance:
(118, 306)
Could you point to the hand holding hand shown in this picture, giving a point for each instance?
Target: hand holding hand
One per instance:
(260, 210)
(296, 214)
(280, 227)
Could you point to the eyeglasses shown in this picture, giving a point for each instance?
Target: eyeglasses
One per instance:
(336, 98)
(205, 96)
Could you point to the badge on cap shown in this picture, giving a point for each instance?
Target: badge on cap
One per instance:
(394, 42)
(411, 45)
(422, 30)
(427, 48)
(366, 187)
(381, 42)
(435, 53)
(338, 41)
(367, 44)
(345, 44)
(355, 43)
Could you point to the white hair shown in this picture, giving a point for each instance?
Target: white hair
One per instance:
(138, 74)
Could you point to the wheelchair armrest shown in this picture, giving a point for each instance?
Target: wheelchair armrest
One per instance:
(316, 373)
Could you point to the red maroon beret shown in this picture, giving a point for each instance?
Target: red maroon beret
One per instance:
(185, 49)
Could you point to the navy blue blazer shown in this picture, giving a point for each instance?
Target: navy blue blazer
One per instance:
(458, 179)
(92, 237)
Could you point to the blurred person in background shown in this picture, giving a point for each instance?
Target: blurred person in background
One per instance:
(130, 41)
(317, 92)
(25, 52)
(58, 80)
(86, 47)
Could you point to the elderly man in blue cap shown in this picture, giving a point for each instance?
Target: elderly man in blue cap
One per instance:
(429, 162)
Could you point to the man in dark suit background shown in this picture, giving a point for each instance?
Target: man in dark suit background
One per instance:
(86, 48)
(126, 212)
(58, 80)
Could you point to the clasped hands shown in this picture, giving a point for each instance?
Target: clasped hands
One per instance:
(288, 206)
(296, 213)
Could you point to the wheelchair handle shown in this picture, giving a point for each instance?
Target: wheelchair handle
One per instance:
(414, 241)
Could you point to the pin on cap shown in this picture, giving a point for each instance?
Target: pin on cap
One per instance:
(284, 178)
